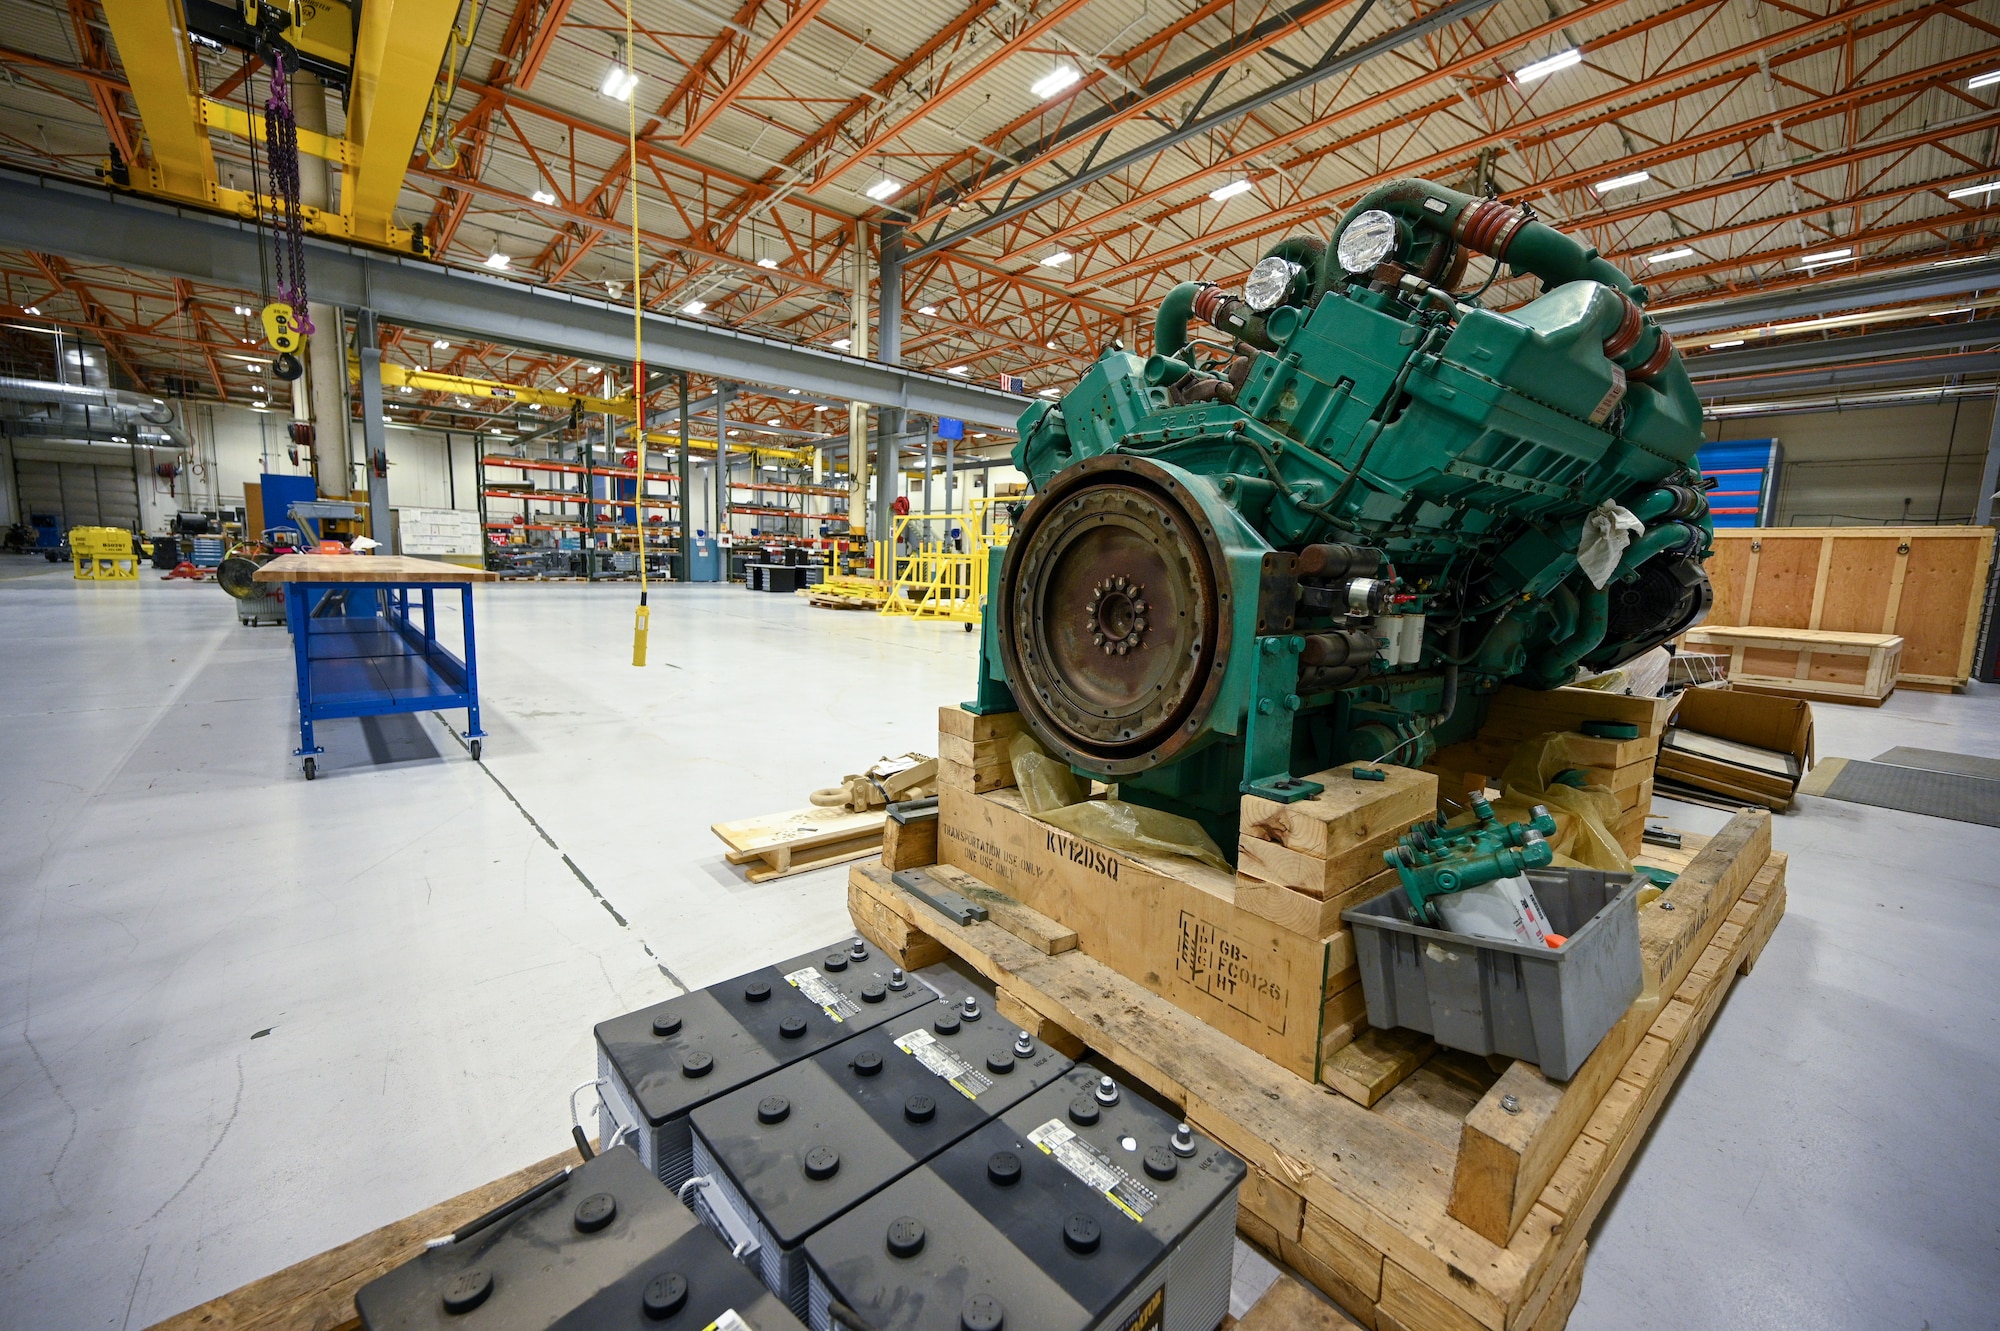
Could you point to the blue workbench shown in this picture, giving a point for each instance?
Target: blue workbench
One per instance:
(364, 639)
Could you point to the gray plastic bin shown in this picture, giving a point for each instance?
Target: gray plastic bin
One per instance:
(1548, 1006)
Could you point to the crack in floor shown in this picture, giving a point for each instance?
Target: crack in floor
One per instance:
(580, 875)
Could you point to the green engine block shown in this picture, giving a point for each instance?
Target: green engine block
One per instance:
(1330, 525)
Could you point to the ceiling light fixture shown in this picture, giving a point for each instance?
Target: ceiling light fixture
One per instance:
(1053, 82)
(32, 309)
(1052, 392)
(1621, 182)
(498, 261)
(542, 196)
(1231, 190)
(927, 309)
(441, 345)
(841, 344)
(884, 188)
(694, 307)
(243, 310)
(1678, 252)
(1057, 260)
(1830, 256)
(1541, 69)
(1970, 190)
(767, 263)
(1986, 80)
(959, 369)
(619, 82)
(1729, 342)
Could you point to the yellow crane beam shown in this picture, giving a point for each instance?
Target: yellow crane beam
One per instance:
(159, 64)
(398, 50)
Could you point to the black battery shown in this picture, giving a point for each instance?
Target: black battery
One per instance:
(778, 1159)
(1083, 1208)
(608, 1248)
(658, 1063)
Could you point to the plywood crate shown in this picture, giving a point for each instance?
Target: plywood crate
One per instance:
(1821, 664)
(1922, 584)
(1421, 1201)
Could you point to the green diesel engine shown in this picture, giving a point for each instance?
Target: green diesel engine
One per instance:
(1324, 527)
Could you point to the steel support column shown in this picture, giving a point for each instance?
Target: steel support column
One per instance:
(368, 344)
(889, 420)
(686, 490)
(1989, 477)
(723, 393)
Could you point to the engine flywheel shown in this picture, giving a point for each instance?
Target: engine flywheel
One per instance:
(1112, 614)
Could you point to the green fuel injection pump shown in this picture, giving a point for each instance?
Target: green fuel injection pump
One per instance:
(1434, 860)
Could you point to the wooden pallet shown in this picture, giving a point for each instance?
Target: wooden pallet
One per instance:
(1413, 1197)
(797, 840)
(317, 1294)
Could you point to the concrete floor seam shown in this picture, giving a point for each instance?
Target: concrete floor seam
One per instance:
(581, 876)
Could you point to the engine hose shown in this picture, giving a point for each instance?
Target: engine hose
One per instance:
(1554, 668)
(1450, 702)
(1666, 536)
(1170, 322)
(1453, 657)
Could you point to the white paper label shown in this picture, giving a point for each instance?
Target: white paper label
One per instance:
(1083, 1160)
(729, 1321)
(823, 992)
(926, 1048)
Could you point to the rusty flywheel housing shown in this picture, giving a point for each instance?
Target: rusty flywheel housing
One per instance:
(1112, 605)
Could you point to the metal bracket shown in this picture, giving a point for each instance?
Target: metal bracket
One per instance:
(954, 906)
(1267, 733)
(1277, 592)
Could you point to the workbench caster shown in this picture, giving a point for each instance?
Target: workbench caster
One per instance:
(968, 628)
(312, 769)
(475, 750)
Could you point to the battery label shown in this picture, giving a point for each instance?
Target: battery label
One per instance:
(823, 992)
(921, 1045)
(1152, 1314)
(1082, 1159)
(729, 1321)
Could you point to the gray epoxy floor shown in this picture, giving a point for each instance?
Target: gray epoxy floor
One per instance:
(244, 1018)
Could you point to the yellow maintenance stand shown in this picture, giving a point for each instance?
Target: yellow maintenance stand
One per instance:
(103, 554)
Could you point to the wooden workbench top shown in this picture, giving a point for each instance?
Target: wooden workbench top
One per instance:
(367, 568)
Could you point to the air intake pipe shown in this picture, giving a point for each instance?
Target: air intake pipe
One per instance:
(1508, 234)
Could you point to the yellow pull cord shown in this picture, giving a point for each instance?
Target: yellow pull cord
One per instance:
(642, 620)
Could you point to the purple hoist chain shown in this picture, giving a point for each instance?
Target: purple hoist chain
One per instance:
(281, 129)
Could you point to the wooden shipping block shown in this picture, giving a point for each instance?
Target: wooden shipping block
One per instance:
(911, 947)
(1314, 917)
(1013, 1008)
(961, 724)
(1168, 922)
(1375, 1063)
(909, 845)
(997, 774)
(1316, 876)
(1347, 814)
(1533, 711)
(974, 752)
(778, 844)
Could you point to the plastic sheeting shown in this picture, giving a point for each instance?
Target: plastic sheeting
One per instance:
(1053, 794)
(1584, 816)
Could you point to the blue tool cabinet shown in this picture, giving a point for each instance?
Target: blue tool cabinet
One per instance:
(365, 640)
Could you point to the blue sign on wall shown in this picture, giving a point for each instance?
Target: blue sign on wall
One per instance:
(950, 429)
(1745, 472)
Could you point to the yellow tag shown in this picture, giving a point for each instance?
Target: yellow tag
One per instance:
(281, 328)
(640, 627)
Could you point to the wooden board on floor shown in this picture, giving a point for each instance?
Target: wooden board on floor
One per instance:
(800, 839)
(318, 1293)
(1372, 1186)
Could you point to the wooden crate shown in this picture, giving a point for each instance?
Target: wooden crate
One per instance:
(1923, 584)
(1820, 664)
(1415, 1198)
